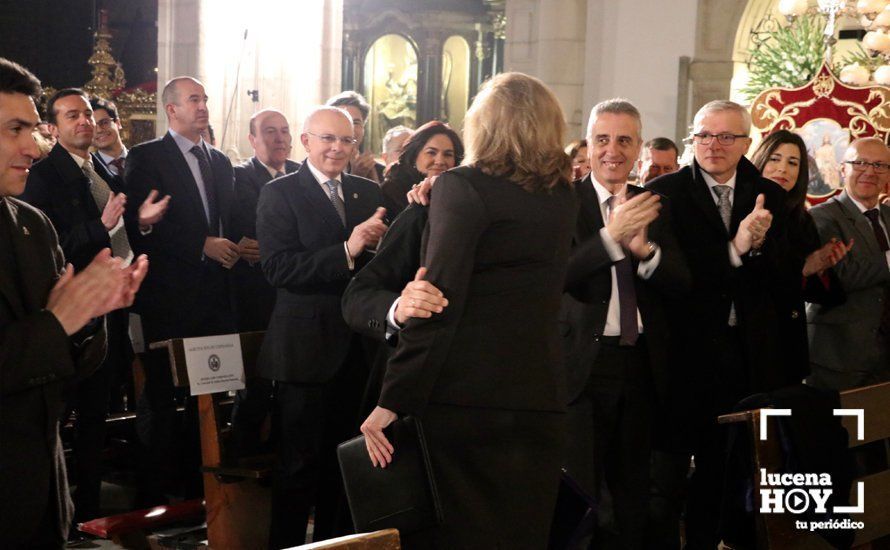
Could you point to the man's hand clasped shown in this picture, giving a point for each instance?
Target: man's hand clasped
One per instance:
(629, 222)
(103, 286)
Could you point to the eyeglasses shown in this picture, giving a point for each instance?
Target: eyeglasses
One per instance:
(331, 138)
(105, 123)
(861, 166)
(722, 139)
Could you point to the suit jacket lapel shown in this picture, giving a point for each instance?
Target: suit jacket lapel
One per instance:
(704, 198)
(320, 202)
(859, 222)
(8, 285)
(351, 196)
(189, 186)
(71, 175)
(259, 175)
(590, 216)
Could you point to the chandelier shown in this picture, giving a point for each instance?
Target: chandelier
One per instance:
(873, 15)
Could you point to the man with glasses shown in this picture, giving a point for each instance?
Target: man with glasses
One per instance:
(107, 139)
(729, 222)
(315, 228)
(849, 342)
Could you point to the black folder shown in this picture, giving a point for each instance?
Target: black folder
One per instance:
(403, 495)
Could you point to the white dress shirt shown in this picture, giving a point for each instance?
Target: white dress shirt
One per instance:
(862, 209)
(322, 180)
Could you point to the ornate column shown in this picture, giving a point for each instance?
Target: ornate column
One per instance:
(352, 63)
(429, 87)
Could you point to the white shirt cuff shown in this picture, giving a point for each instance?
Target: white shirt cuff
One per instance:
(647, 268)
(392, 326)
(350, 262)
(734, 257)
(613, 249)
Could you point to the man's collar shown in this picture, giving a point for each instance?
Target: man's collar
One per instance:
(269, 169)
(77, 158)
(185, 144)
(108, 158)
(858, 204)
(711, 182)
(320, 176)
(604, 194)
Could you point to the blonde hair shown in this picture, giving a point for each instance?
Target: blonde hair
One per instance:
(515, 128)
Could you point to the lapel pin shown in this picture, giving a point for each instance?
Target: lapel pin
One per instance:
(25, 230)
(355, 195)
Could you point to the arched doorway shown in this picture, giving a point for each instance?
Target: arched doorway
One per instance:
(390, 86)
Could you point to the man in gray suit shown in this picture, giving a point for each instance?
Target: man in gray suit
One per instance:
(849, 342)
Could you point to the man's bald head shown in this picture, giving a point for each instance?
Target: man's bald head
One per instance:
(324, 112)
(329, 139)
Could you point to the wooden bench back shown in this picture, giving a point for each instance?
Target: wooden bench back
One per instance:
(777, 531)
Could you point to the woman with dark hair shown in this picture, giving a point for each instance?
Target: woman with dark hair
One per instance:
(484, 375)
(782, 158)
(431, 150)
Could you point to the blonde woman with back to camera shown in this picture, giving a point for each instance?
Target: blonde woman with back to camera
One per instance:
(483, 376)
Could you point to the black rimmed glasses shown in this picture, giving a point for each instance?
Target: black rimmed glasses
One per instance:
(723, 139)
(862, 166)
(331, 138)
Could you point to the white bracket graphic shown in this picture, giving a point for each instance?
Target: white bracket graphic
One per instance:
(764, 416)
(860, 499)
(860, 420)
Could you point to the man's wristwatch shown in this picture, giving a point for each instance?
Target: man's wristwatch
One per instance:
(653, 249)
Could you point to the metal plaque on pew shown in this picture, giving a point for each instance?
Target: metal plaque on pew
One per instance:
(214, 363)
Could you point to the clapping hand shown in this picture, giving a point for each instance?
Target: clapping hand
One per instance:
(826, 257)
(752, 230)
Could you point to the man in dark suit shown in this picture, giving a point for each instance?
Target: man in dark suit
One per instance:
(850, 342)
(187, 293)
(624, 260)
(724, 345)
(51, 331)
(271, 139)
(315, 228)
(85, 204)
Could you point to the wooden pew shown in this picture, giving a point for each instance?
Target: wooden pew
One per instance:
(236, 499)
(777, 531)
(387, 539)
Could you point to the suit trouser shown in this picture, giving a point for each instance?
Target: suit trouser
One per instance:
(610, 438)
(706, 486)
(312, 419)
(90, 400)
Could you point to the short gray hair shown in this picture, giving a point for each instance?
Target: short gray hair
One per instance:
(615, 106)
(393, 133)
(719, 105)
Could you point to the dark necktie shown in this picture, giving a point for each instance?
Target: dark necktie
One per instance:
(336, 200)
(627, 295)
(118, 164)
(279, 174)
(873, 216)
(99, 189)
(207, 176)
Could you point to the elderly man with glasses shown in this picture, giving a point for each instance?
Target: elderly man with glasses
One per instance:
(849, 342)
(729, 222)
(316, 228)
